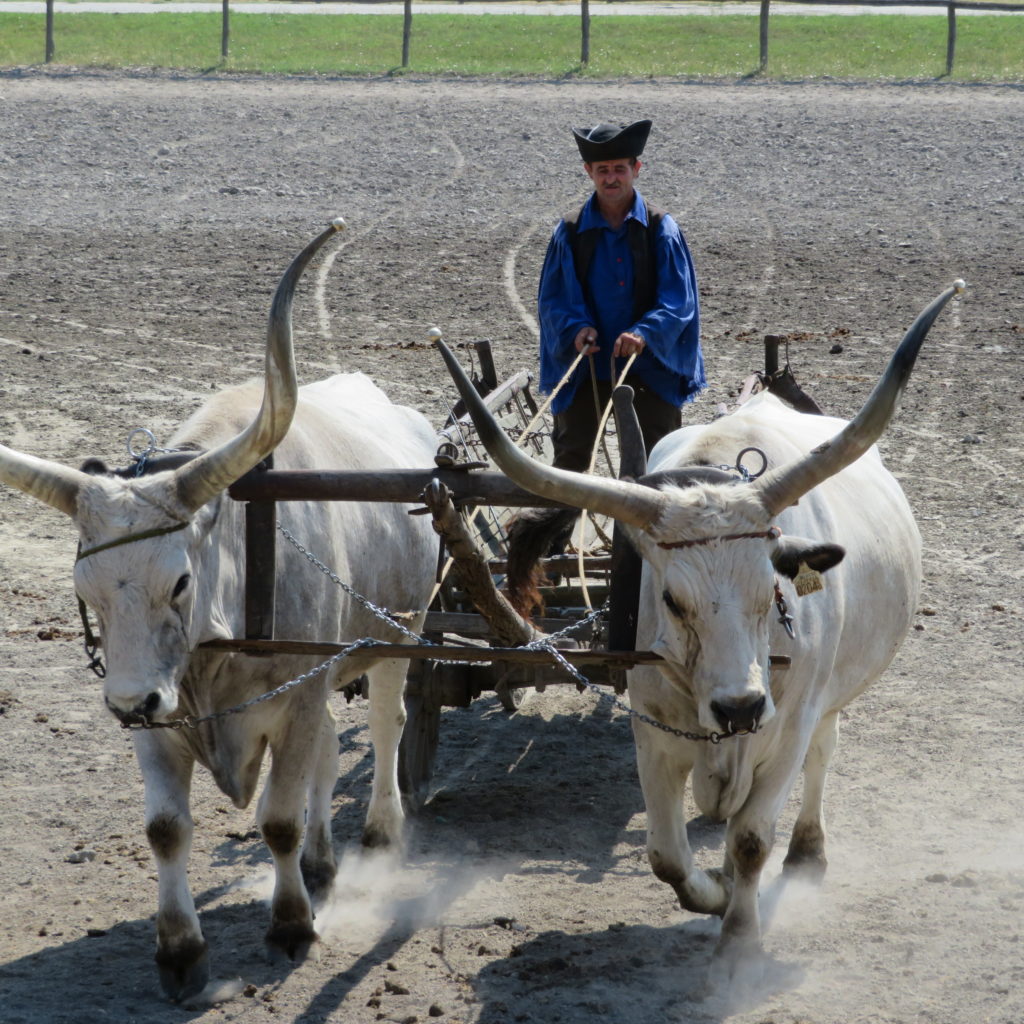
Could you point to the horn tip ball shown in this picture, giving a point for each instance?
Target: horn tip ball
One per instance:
(338, 223)
(960, 286)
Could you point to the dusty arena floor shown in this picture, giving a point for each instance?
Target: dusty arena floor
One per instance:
(144, 221)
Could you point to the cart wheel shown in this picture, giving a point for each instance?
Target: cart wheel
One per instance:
(511, 697)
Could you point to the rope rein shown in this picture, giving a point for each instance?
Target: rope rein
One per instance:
(599, 441)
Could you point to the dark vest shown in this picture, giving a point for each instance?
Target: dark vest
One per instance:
(641, 245)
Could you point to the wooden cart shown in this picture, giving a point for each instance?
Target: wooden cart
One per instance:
(476, 644)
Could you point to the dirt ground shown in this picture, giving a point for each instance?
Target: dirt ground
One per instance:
(144, 221)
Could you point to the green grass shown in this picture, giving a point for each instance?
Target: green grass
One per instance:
(871, 47)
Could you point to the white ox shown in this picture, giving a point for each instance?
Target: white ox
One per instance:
(718, 555)
(172, 578)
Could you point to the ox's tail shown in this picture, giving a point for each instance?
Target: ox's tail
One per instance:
(534, 534)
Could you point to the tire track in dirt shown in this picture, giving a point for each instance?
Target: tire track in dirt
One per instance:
(942, 357)
(348, 240)
(509, 279)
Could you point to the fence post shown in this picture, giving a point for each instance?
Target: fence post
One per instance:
(49, 31)
(225, 31)
(950, 37)
(765, 4)
(406, 33)
(585, 28)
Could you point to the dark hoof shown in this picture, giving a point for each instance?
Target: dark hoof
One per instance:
(376, 839)
(805, 858)
(292, 942)
(805, 869)
(184, 971)
(737, 964)
(319, 880)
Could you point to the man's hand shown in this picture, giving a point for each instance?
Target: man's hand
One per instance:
(586, 338)
(628, 343)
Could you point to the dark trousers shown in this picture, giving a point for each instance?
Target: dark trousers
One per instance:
(576, 427)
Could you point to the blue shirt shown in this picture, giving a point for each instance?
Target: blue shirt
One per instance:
(672, 363)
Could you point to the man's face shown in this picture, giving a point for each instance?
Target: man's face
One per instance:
(613, 179)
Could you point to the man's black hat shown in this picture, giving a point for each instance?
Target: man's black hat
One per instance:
(612, 141)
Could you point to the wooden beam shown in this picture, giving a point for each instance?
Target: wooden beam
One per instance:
(448, 652)
(396, 485)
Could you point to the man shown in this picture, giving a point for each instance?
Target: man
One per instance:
(617, 280)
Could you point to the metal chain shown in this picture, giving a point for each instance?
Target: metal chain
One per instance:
(191, 722)
(381, 613)
(547, 643)
(544, 644)
(152, 448)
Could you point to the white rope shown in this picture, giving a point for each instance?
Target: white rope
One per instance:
(525, 435)
(598, 438)
(547, 403)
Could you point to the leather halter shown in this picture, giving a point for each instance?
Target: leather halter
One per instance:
(92, 642)
(144, 535)
(772, 533)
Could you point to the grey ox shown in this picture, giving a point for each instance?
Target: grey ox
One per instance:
(161, 564)
(719, 557)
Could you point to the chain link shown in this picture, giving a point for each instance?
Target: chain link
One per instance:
(191, 722)
(545, 643)
(381, 613)
(152, 448)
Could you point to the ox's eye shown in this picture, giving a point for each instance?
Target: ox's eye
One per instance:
(181, 585)
(671, 605)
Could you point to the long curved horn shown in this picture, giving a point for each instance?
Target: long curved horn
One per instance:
(625, 501)
(202, 479)
(50, 482)
(783, 486)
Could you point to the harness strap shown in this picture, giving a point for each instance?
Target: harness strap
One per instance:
(145, 535)
(92, 642)
(772, 533)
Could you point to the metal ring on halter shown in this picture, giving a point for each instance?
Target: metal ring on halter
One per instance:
(148, 450)
(743, 471)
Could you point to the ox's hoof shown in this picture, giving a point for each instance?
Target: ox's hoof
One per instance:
(737, 965)
(375, 837)
(805, 868)
(805, 858)
(294, 943)
(318, 878)
(705, 892)
(184, 970)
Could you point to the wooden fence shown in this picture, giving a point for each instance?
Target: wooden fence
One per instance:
(951, 9)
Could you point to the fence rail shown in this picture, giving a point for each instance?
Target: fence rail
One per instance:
(677, 6)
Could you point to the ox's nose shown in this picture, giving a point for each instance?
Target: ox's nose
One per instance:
(140, 714)
(738, 716)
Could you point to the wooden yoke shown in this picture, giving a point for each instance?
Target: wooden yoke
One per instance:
(473, 571)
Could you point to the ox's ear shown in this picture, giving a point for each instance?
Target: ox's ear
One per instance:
(792, 552)
(95, 467)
